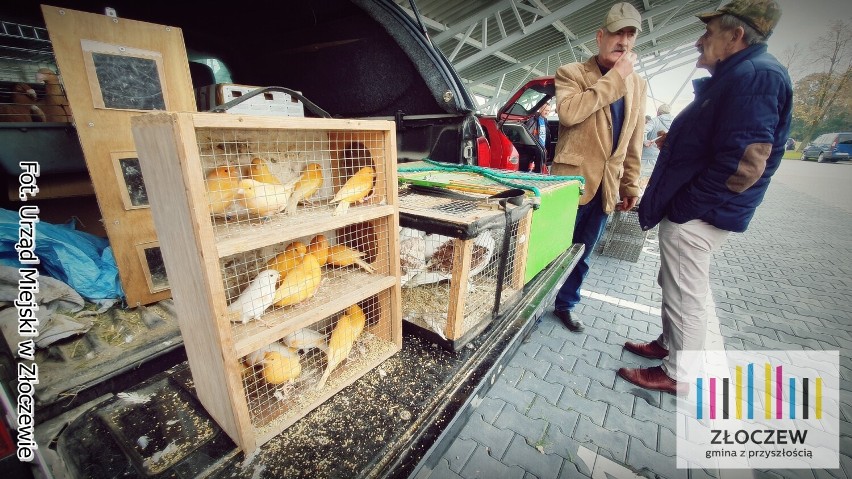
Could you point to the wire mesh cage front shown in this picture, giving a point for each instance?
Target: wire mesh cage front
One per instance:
(625, 237)
(276, 285)
(451, 283)
(285, 379)
(261, 176)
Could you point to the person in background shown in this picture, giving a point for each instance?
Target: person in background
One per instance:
(537, 127)
(713, 171)
(658, 125)
(601, 107)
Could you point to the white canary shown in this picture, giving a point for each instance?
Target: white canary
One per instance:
(259, 295)
(306, 338)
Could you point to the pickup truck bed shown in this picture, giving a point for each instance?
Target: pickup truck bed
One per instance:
(391, 423)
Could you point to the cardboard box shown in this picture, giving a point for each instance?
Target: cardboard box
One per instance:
(270, 103)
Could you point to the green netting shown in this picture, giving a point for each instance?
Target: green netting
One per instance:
(502, 177)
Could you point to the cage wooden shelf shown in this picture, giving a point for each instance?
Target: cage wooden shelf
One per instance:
(283, 296)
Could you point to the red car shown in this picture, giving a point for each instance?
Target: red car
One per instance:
(515, 121)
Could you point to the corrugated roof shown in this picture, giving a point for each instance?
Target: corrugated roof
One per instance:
(502, 43)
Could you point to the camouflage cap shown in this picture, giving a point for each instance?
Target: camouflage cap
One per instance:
(762, 15)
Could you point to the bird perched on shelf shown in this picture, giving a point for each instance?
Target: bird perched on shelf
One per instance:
(346, 331)
(54, 104)
(265, 199)
(21, 106)
(254, 300)
(301, 283)
(259, 171)
(224, 195)
(342, 255)
(309, 182)
(305, 339)
(356, 188)
(319, 248)
(280, 363)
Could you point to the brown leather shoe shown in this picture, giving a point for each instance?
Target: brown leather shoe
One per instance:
(654, 378)
(651, 350)
(573, 325)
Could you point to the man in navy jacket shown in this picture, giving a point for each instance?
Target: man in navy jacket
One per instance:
(712, 173)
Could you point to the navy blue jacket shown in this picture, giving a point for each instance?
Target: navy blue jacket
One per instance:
(723, 148)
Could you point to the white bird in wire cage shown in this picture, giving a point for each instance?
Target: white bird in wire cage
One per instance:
(412, 253)
(305, 339)
(265, 199)
(259, 295)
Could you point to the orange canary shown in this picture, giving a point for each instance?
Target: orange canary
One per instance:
(280, 363)
(309, 182)
(224, 194)
(291, 257)
(259, 171)
(319, 248)
(355, 189)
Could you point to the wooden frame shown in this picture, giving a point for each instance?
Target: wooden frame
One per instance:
(135, 195)
(193, 248)
(145, 259)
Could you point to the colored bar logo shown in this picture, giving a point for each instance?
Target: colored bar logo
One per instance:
(771, 384)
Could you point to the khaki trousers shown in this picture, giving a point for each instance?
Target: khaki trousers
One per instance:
(685, 252)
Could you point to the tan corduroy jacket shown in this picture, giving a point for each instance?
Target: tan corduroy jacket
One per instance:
(583, 97)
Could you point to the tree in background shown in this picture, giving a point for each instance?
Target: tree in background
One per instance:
(821, 100)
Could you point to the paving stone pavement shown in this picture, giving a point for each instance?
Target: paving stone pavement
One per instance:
(558, 409)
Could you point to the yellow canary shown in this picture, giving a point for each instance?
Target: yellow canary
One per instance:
(265, 199)
(342, 339)
(309, 182)
(358, 318)
(342, 255)
(301, 283)
(259, 171)
(319, 248)
(224, 194)
(291, 257)
(278, 368)
(355, 189)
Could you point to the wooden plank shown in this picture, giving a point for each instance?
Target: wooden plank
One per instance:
(462, 252)
(103, 131)
(219, 120)
(245, 237)
(156, 137)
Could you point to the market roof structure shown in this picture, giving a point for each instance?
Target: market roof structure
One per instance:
(496, 46)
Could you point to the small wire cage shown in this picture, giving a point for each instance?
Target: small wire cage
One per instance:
(276, 285)
(462, 261)
(282, 380)
(624, 238)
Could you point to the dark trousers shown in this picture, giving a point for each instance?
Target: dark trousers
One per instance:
(588, 229)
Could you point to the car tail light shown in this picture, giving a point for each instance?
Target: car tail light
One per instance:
(834, 144)
(483, 151)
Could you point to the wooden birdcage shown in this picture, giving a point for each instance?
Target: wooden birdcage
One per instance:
(462, 261)
(279, 236)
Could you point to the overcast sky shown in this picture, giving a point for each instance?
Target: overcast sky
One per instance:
(802, 21)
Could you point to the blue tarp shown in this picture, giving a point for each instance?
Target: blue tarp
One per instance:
(81, 260)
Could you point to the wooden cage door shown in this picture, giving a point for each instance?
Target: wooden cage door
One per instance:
(113, 69)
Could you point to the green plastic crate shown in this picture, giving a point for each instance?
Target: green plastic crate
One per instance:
(552, 230)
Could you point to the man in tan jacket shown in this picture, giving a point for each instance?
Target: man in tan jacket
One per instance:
(601, 106)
